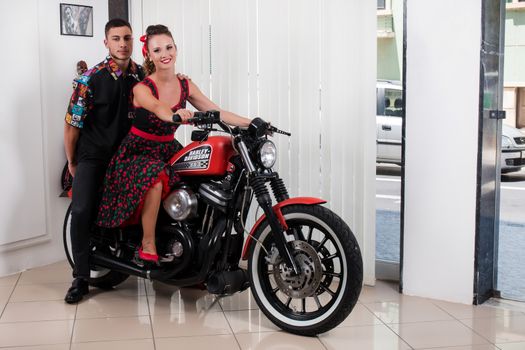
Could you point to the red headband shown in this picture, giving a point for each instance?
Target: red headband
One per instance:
(144, 39)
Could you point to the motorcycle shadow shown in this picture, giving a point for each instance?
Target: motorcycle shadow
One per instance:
(195, 299)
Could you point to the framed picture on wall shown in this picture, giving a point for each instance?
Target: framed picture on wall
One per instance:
(76, 20)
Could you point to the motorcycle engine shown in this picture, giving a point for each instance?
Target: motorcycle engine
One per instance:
(181, 204)
(175, 244)
(215, 196)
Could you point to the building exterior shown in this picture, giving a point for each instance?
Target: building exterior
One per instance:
(514, 94)
(389, 39)
(390, 53)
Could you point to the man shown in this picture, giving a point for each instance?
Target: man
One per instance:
(97, 120)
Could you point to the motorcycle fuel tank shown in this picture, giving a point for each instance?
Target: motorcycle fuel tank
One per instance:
(207, 158)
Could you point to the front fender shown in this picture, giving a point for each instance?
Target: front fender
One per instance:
(277, 209)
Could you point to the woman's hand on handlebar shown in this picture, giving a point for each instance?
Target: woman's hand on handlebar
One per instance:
(184, 114)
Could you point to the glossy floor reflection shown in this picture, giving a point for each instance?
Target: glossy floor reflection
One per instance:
(140, 314)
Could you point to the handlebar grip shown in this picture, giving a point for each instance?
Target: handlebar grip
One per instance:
(176, 119)
(279, 131)
(202, 118)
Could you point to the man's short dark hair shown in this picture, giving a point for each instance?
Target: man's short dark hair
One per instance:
(115, 23)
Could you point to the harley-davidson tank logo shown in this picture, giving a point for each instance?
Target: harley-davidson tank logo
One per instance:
(196, 159)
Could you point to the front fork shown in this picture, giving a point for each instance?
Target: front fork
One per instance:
(265, 201)
(277, 225)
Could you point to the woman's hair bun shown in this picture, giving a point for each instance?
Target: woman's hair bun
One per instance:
(157, 29)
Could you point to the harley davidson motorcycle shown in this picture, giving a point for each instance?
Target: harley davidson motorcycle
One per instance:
(304, 265)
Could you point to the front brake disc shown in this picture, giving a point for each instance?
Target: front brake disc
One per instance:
(308, 280)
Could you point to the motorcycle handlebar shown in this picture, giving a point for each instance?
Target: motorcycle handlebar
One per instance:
(272, 128)
(199, 118)
(209, 117)
(258, 127)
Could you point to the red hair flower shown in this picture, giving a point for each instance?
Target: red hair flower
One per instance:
(144, 40)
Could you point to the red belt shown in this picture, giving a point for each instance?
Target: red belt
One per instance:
(152, 137)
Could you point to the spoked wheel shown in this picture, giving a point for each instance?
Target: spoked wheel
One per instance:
(328, 286)
(99, 277)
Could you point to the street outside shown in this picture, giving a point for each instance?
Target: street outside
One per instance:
(511, 260)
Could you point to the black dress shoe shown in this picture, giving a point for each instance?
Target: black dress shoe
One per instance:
(76, 292)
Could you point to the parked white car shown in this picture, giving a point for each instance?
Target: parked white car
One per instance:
(389, 124)
(389, 121)
(512, 149)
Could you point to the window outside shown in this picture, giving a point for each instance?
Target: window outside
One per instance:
(393, 102)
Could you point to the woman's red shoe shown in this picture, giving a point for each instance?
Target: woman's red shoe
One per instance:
(147, 256)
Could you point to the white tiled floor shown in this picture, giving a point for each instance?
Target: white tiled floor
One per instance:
(140, 314)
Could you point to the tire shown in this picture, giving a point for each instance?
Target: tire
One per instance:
(328, 287)
(99, 277)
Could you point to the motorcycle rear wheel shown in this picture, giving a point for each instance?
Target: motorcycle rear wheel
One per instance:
(99, 277)
(328, 287)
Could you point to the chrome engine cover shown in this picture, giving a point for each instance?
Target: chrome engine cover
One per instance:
(181, 204)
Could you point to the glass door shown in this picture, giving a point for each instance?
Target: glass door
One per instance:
(389, 126)
(510, 277)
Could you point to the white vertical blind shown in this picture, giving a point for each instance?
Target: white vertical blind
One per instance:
(307, 66)
(229, 55)
(274, 66)
(305, 97)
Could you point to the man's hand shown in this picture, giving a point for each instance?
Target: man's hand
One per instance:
(182, 76)
(71, 135)
(72, 168)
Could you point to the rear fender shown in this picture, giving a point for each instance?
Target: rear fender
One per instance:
(277, 209)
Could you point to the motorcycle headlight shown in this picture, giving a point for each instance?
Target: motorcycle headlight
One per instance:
(506, 142)
(267, 154)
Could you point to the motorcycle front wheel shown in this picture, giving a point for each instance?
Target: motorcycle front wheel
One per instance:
(327, 288)
(99, 277)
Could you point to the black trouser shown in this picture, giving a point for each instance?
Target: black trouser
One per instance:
(87, 187)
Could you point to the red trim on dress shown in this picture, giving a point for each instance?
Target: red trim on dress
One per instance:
(157, 92)
(152, 137)
(154, 86)
(134, 219)
(180, 96)
(143, 82)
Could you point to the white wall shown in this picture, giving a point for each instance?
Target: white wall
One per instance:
(442, 103)
(39, 66)
(308, 66)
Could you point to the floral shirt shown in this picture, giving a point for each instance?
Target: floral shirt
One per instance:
(100, 108)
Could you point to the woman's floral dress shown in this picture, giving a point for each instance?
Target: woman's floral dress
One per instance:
(140, 163)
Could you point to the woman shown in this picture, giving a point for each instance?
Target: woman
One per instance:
(138, 176)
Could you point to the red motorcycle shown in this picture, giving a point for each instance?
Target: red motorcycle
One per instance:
(304, 264)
